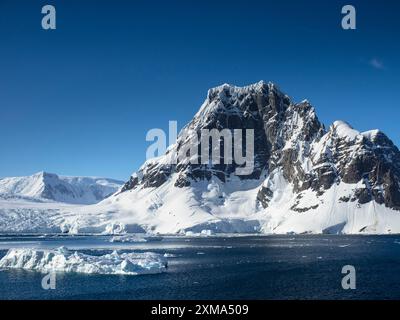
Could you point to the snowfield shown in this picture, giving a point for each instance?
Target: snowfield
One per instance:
(187, 212)
(22, 216)
(210, 208)
(63, 260)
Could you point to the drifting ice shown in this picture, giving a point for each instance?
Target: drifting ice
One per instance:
(63, 260)
(128, 238)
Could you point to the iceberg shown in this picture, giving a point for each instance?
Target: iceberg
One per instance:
(64, 260)
(128, 238)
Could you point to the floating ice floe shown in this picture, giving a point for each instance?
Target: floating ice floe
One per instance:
(203, 233)
(128, 238)
(63, 260)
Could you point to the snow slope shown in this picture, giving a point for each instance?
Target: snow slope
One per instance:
(167, 210)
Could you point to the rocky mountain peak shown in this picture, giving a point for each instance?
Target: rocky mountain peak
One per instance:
(290, 142)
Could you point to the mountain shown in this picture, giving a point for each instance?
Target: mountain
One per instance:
(306, 178)
(45, 186)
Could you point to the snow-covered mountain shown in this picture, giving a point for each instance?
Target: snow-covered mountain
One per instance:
(306, 178)
(45, 186)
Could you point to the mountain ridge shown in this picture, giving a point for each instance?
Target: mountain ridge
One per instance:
(45, 186)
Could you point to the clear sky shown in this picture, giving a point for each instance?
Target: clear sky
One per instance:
(79, 100)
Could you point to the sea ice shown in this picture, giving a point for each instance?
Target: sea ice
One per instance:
(128, 238)
(63, 260)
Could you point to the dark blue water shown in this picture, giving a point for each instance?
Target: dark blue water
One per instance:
(273, 267)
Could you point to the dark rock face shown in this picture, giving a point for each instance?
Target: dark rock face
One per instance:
(132, 183)
(287, 137)
(50, 190)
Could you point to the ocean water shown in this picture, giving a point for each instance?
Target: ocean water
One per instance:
(245, 267)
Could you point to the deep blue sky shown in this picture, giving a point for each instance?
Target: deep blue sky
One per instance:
(79, 100)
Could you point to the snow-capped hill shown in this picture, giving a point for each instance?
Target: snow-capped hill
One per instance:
(30, 186)
(48, 186)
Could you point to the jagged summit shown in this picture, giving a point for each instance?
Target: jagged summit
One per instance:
(260, 85)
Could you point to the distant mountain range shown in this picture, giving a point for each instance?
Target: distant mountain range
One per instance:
(45, 186)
